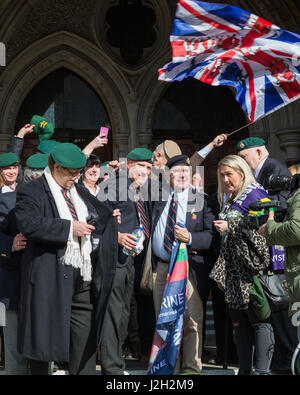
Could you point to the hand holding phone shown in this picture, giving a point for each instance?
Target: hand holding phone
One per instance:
(103, 131)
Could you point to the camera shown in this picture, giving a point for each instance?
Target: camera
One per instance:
(283, 183)
(257, 215)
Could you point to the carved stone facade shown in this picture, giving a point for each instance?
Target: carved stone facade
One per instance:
(42, 36)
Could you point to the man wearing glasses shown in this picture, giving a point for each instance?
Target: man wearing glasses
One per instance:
(63, 297)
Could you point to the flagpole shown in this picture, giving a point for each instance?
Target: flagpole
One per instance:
(237, 130)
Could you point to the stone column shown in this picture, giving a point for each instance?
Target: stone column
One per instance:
(290, 143)
(144, 139)
(120, 145)
(4, 142)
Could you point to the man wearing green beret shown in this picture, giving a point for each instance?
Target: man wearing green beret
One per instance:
(125, 191)
(64, 287)
(253, 150)
(46, 146)
(9, 171)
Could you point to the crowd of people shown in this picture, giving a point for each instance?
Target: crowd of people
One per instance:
(76, 233)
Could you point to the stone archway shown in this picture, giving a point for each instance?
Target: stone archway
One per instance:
(67, 50)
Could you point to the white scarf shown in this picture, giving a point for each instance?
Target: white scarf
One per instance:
(76, 255)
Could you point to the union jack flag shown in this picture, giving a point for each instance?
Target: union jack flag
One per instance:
(221, 44)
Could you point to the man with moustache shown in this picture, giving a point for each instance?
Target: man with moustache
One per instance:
(127, 192)
(64, 284)
(187, 217)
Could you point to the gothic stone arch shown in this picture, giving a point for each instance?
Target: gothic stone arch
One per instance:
(76, 54)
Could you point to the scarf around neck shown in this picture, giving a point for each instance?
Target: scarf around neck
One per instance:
(77, 254)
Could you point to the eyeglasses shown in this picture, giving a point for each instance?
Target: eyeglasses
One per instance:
(72, 172)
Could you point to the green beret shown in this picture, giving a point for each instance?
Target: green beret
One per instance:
(249, 142)
(47, 146)
(37, 161)
(178, 160)
(43, 127)
(141, 154)
(9, 159)
(68, 155)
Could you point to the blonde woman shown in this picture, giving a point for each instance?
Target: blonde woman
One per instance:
(238, 263)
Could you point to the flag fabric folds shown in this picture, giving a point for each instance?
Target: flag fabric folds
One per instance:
(169, 326)
(221, 44)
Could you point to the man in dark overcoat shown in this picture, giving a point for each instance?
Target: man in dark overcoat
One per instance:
(125, 192)
(65, 280)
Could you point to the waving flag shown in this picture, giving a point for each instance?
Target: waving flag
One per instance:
(221, 44)
(169, 326)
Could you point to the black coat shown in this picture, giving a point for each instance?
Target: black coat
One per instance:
(46, 284)
(115, 193)
(9, 261)
(200, 225)
(274, 167)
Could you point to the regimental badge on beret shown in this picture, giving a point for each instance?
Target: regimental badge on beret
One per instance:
(188, 162)
(249, 142)
(141, 154)
(43, 127)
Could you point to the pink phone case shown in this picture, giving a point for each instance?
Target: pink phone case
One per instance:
(104, 131)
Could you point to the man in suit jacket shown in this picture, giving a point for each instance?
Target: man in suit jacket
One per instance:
(255, 153)
(122, 192)
(195, 216)
(64, 292)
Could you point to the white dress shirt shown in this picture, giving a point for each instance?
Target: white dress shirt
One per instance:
(158, 235)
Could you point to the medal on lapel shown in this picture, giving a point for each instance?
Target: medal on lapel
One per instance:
(194, 216)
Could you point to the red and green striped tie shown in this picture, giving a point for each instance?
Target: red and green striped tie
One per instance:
(69, 204)
(143, 216)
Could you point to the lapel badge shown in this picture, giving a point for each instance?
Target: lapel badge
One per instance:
(194, 216)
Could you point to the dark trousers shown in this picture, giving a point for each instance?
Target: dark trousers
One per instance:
(82, 333)
(115, 326)
(220, 321)
(286, 340)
